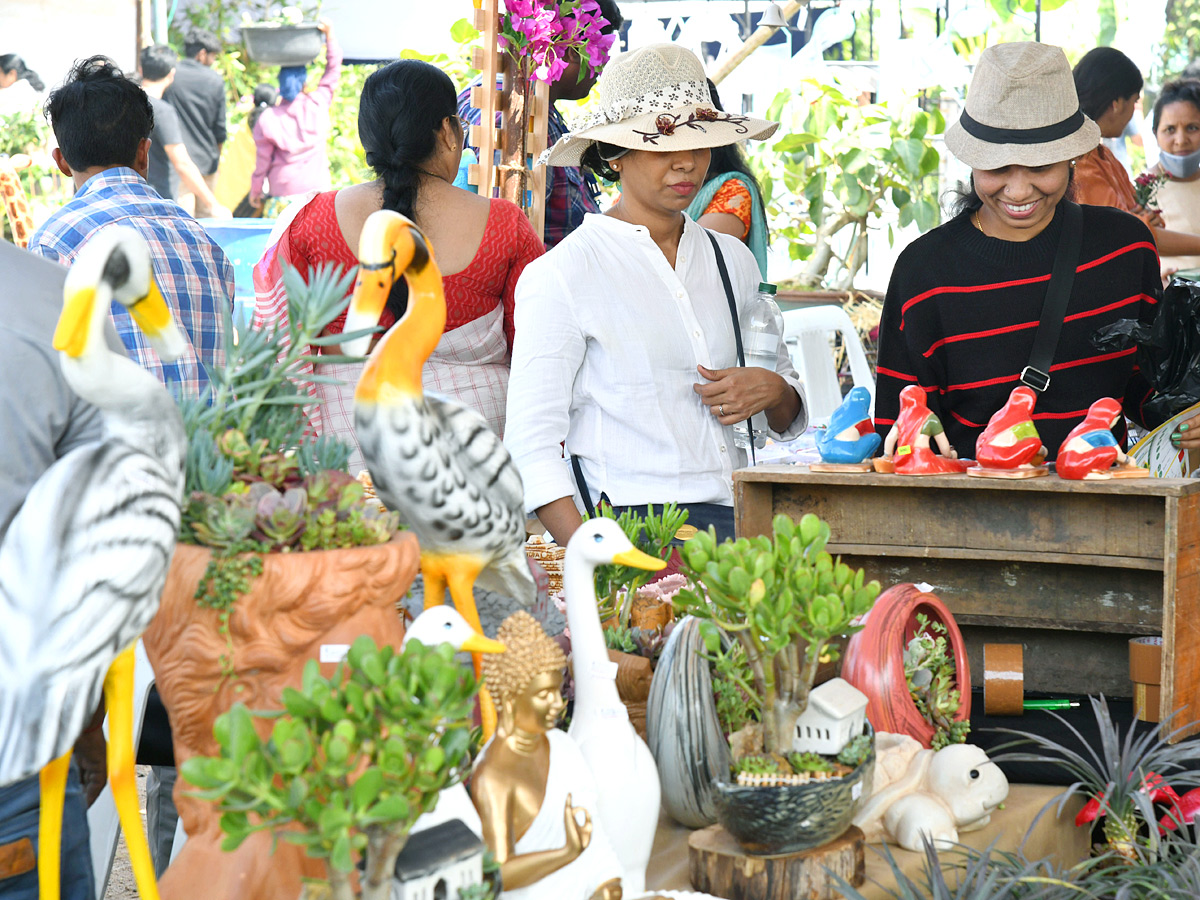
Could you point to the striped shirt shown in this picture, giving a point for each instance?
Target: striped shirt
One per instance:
(189, 267)
(962, 310)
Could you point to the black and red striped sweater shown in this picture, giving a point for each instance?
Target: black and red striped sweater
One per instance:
(962, 309)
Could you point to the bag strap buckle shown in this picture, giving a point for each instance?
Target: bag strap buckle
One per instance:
(1035, 378)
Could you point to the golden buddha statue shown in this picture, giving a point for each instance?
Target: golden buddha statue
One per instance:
(531, 785)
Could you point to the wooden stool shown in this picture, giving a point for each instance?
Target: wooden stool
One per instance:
(718, 865)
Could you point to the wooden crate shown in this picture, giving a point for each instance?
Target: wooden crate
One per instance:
(1072, 569)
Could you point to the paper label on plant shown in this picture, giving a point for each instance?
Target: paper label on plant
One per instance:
(334, 653)
(856, 791)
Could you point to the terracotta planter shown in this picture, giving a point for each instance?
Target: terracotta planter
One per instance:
(634, 675)
(650, 613)
(874, 661)
(301, 605)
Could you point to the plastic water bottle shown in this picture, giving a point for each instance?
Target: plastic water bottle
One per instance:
(762, 336)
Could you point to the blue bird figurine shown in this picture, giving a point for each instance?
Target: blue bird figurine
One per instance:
(850, 439)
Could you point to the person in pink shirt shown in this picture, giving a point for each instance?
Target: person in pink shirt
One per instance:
(290, 138)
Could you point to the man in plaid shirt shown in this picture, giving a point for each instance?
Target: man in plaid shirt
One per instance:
(571, 191)
(102, 122)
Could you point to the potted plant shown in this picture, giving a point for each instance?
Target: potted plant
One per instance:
(289, 37)
(351, 764)
(782, 600)
(280, 560)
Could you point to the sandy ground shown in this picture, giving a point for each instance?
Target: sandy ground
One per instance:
(120, 883)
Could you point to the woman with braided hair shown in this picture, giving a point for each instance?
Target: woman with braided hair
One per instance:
(413, 140)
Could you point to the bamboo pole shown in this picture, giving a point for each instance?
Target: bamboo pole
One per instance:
(761, 36)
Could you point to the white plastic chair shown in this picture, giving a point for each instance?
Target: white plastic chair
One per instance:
(808, 332)
(102, 815)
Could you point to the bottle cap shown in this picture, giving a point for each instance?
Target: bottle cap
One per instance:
(765, 287)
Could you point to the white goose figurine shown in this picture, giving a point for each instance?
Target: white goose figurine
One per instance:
(83, 564)
(443, 625)
(600, 726)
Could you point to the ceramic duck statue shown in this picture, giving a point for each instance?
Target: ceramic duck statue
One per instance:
(622, 763)
(851, 437)
(443, 625)
(84, 562)
(1010, 440)
(433, 461)
(1090, 450)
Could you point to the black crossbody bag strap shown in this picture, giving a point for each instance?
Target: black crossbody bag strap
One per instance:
(1058, 293)
(737, 328)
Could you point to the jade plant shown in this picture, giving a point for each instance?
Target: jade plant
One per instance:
(930, 673)
(353, 760)
(783, 598)
(257, 479)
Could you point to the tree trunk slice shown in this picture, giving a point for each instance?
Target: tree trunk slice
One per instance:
(717, 865)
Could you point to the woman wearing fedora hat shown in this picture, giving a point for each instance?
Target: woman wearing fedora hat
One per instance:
(972, 310)
(626, 350)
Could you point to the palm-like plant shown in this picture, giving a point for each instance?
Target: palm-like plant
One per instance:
(1122, 778)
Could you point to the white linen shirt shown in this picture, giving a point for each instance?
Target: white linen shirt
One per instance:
(608, 337)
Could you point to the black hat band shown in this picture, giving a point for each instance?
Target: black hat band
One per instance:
(1043, 135)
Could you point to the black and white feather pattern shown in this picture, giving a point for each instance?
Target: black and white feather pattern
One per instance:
(81, 573)
(453, 483)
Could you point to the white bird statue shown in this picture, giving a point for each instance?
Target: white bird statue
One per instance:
(600, 725)
(83, 564)
(433, 461)
(443, 625)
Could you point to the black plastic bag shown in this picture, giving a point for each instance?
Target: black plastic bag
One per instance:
(1168, 350)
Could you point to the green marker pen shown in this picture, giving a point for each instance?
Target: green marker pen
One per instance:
(1049, 704)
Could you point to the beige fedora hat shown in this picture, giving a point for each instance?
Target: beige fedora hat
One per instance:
(655, 98)
(1021, 110)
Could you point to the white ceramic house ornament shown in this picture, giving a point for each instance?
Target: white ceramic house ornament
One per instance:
(835, 714)
(438, 862)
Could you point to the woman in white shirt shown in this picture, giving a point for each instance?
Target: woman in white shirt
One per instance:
(20, 87)
(625, 352)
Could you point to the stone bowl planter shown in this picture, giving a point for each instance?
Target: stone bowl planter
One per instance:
(282, 45)
(769, 820)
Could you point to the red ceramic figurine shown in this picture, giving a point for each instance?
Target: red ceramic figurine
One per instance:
(908, 443)
(1010, 447)
(1090, 450)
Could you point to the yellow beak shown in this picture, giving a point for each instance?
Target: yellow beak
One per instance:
(75, 322)
(477, 643)
(151, 312)
(639, 560)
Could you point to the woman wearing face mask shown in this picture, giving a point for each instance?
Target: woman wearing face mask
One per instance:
(1108, 83)
(966, 300)
(1177, 130)
(625, 349)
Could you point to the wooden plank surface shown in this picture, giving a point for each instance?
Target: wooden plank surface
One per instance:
(1062, 663)
(1073, 559)
(1016, 522)
(1181, 615)
(1036, 595)
(1156, 487)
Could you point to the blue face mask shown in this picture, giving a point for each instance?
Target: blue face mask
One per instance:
(1180, 166)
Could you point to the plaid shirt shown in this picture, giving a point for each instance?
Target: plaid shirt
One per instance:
(571, 191)
(190, 268)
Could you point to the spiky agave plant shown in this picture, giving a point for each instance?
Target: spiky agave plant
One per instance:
(1121, 779)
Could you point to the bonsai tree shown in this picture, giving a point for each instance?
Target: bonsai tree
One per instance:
(353, 761)
(783, 599)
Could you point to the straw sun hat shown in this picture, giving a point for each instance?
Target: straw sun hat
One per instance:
(1022, 110)
(656, 98)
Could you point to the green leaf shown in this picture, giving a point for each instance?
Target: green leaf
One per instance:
(463, 32)
(929, 160)
(925, 213)
(391, 809)
(366, 789)
(910, 153)
(341, 858)
(243, 739)
(793, 143)
(900, 197)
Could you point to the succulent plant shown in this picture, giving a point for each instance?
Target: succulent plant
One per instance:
(809, 762)
(784, 599)
(855, 752)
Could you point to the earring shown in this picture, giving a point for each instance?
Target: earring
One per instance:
(1072, 164)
